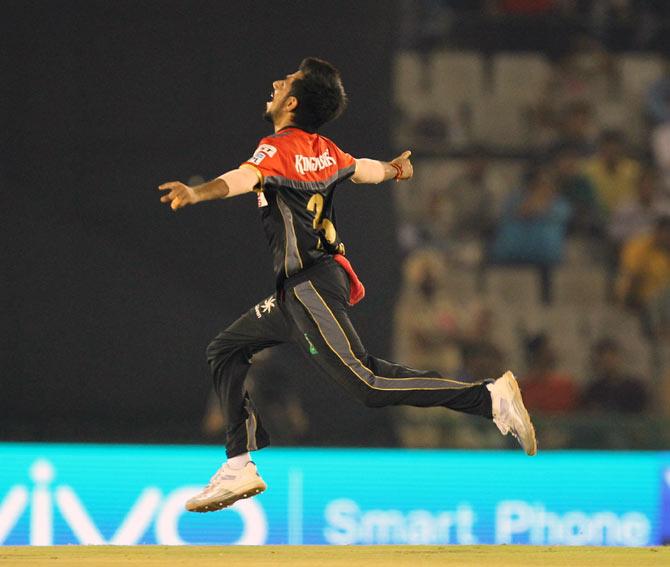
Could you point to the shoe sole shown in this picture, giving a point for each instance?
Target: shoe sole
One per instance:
(517, 402)
(225, 501)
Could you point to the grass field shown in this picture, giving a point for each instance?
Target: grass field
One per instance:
(316, 556)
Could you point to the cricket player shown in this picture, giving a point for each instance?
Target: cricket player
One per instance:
(294, 173)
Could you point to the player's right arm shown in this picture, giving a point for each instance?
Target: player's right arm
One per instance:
(231, 184)
(374, 171)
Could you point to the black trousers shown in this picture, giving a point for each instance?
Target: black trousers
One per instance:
(311, 312)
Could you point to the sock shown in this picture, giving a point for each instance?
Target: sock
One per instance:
(239, 461)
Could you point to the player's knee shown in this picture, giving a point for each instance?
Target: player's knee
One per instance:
(219, 350)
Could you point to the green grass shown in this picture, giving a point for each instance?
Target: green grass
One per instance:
(317, 556)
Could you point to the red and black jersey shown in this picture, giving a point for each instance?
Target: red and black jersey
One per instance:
(298, 172)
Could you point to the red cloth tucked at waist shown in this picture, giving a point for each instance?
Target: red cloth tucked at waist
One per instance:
(357, 288)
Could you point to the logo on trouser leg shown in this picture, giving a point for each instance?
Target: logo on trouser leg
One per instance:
(312, 348)
(265, 306)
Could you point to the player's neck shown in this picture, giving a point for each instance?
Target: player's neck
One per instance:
(283, 122)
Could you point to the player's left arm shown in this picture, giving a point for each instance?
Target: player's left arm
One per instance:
(374, 171)
(230, 184)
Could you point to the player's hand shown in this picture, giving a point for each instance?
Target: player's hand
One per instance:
(179, 194)
(406, 168)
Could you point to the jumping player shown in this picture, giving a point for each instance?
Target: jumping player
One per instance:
(294, 173)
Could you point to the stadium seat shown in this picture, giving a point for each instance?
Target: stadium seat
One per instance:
(617, 115)
(457, 84)
(513, 69)
(457, 75)
(611, 321)
(501, 123)
(638, 72)
(513, 286)
(566, 327)
(504, 176)
(579, 286)
(407, 79)
(412, 97)
(578, 252)
(461, 285)
(430, 175)
(508, 332)
(637, 355)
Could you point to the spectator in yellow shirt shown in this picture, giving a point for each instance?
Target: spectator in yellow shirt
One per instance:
(644, 278)
(613, 174)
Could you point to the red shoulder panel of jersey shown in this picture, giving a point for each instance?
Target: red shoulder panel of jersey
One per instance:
(295, 155)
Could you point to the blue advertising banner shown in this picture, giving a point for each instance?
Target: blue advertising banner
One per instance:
(94, 494)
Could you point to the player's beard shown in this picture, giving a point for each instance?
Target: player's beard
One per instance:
(270, 113)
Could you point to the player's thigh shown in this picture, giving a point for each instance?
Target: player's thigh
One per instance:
(324, 316)
(261, 326)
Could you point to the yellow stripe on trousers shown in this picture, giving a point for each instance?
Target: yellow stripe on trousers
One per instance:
(324, 318)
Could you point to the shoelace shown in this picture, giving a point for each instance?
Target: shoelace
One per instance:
(217, 476)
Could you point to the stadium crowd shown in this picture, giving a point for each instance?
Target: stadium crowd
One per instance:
(542, 243)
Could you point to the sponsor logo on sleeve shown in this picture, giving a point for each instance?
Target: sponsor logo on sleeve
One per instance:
(267, 149)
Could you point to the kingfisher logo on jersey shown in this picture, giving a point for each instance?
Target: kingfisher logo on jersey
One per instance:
(263, 151)
(305, 164)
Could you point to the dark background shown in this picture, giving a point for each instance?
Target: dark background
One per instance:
(108, 297)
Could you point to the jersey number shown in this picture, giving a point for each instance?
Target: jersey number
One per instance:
(324, 225)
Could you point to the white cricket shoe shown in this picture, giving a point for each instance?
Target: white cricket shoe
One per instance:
(509, 413)
(226, 487)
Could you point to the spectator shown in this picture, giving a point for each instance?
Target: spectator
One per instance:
(657, 99)
(611, 389)
(585, 74)
(432, 322)
(466, 215)
(644, 277)
(426, 324)
(573, 125)
(613, 174)
(481, 360)
(577, 128)
(470, 199)
(657, 103)
(637, 215)
(533, 226)
(578, 190)
(546, 389)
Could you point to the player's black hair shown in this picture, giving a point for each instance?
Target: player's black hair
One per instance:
(320, 94)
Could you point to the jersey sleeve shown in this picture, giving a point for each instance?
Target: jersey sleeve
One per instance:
(266, 160)
(346, 164)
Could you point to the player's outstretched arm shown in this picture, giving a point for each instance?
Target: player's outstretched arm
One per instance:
(374, 171)
(230, 184)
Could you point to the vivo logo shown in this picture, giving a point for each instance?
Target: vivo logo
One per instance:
(150, 507)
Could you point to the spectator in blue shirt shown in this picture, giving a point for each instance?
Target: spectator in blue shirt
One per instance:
(534, 223)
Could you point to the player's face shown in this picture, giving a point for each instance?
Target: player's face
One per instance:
(281, 88)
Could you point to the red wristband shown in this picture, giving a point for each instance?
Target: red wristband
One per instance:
(397, 168)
